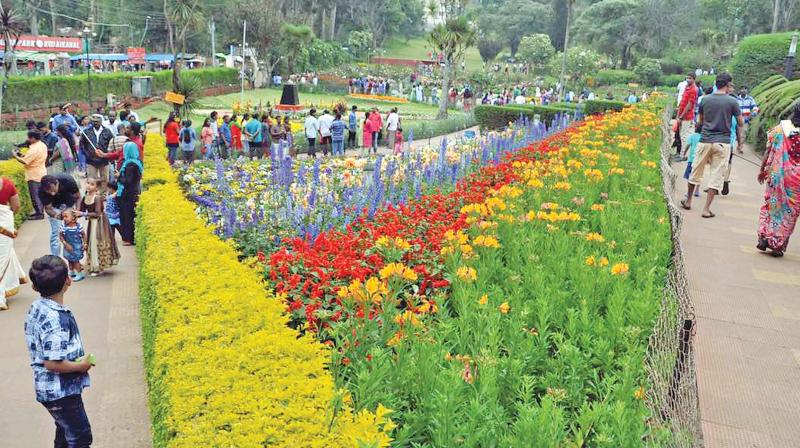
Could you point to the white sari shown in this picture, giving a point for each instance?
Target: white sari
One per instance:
(11, 273)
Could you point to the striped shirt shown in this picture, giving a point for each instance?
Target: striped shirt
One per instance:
(748, 106)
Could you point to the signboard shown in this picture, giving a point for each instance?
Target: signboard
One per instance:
(136, 55)
(174, 98)
(47, 44)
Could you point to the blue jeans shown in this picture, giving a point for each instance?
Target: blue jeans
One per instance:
(338, 147)
(55, 242)
(72, 425)
(81, 161)
(172, 153)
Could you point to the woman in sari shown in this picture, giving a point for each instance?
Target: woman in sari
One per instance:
(101, 248)
(130, 174)
(236, 137)
(11, 273)
(63, 158)
(781, 171)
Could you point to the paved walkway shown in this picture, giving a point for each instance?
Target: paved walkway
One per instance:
(107, 311)
(748, 320)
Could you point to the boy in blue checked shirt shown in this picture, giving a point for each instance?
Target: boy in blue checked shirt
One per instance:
(60, 367)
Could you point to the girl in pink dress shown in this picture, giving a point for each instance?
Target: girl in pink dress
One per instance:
(367, 137)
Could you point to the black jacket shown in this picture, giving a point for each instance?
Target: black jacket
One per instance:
(89, 142)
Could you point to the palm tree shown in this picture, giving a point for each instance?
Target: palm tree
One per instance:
(570, 4)
(451, 40)
(12, 25)
(181, 16)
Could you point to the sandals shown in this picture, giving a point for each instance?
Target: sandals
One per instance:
(762, 245)
(709, 215)
(684, 206)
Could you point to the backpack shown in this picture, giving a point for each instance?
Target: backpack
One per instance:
(187, 136)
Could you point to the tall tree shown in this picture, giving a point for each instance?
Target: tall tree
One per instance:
(12, 25)
(570, 5)
(611, 26)
(517, 18)
(181, 16)
(451, 40)
(294, 38)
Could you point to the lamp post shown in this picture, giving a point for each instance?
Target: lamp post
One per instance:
(790, 59)
(86, 34)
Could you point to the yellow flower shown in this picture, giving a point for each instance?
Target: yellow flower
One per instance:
(603, 262)
(598, 207)
(648, 164)
(594, 236)
(487, 241)
(467, 274)
(504, 308)
(562, 186)
(372, 285)
(639, 393)
(590, 261)
(619, 269)
(483, 300)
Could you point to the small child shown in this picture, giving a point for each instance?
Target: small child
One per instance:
(72, 237)
(692, 141)
(398, 140)
(60, 365)
(188, 137)
(112, 208)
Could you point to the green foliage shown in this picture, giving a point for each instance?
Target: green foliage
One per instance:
(359, 43)
(612, 27)
(295, 38)
(517, 18)
(609, 77)
(536, 49)
(775, 103)
(489, 46)
(674, 80)
(759, 57)
(599, 106)
(498, 117)
(50, 91)
(648, 71)
(581, 62)
(14, 171)
(320, 54)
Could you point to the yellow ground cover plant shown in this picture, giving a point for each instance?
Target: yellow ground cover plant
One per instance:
(223, 368)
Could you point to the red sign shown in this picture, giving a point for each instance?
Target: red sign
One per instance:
(48, 44)
(136, 55)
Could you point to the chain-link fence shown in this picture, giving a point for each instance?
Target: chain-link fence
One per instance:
(672, 394)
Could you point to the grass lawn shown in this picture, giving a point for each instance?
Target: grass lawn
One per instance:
(418, 49)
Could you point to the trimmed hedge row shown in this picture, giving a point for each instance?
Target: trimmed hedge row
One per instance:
(14, 171)
(758, 57)
(50, 91)
(223, 368)
(610, 77)
(497, 117)
(599, 106)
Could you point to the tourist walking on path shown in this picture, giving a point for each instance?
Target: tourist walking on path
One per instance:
(392, 123)
(312, 131)
(101, 248)
(377, 125)
(366, 139)
(253, 130)
(352, 128)
(716, 114)
(337, 135)
(58, 193)
(225, 137)
(128, 191)
(60, 365)
(34, 160)
(95, 139)
(685, 115)
(207, 138)
(781, 171)
(236, 136)
(749, 110)
(188, 139)
(11, 273)
(171, 138)
(325, 122)
(63, 158)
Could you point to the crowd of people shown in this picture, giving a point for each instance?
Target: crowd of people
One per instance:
(710, 127)
(328, 131)
(83, 176)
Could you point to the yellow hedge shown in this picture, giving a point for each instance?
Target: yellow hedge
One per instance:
(14, 171)
(224, 369)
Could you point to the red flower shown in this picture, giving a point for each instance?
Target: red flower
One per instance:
(346, 361)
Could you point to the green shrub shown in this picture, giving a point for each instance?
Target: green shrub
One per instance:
(759, 57)
(674, 80)
(497, 117)
(50, 91)
(610, 77)
(775, 103)
(14, 171)
(599, 106)
(648, 71)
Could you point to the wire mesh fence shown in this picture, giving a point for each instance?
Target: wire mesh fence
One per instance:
(672, 395)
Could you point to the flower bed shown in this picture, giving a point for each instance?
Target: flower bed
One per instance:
(525, 291)
(384, 98)
(223, 368)
(16, 172)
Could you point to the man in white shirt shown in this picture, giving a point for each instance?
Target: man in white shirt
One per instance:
(519, 99)
(312, 130)
(325, 122)
(681, 88)
(392, 123)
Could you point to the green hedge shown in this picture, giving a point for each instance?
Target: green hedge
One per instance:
(758, 57)
(50, 91)
(612, 77)
(498, 117)
(14, 171)
(599, 106)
